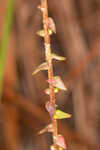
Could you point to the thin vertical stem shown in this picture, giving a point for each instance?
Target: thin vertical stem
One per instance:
(50, 66)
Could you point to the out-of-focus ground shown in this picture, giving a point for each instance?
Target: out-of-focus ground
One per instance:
(22, 112)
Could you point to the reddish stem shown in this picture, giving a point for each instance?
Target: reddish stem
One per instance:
(49, 62)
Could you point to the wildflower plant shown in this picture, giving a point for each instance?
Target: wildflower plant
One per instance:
(55, 82)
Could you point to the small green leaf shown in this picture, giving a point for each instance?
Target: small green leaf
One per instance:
(47, 91)
(57, 57)
(56, 90)
(43, 66)
(57, 82)
(60, 148)
(41, 33)
(61, 115)
(52, 147)
(50, 32)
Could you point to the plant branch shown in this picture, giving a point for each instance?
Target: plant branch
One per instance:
(50, 66)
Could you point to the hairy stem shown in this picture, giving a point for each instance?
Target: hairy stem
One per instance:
(49, 62)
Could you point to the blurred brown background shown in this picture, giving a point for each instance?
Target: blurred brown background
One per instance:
(22, 112)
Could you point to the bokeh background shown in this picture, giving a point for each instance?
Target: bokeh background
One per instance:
(22, 111)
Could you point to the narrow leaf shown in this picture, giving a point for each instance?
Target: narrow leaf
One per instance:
(57, 57)
(48, 128)
(57, 82)
(61, 141)
(43, 66)
(47, 91)
(42, 34)
(61, 115)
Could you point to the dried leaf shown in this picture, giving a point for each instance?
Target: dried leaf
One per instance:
(57, 57)
(57, 82)
(51, 24)
(43, 66)
(47, 91)
(42, 34)
(61, 115)
(61, 141)
(50, 108)
(48, 128)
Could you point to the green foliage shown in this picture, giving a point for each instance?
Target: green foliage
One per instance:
(61, 115)
(53, 148)
(47, 91)
(42, 34)
(5, 37)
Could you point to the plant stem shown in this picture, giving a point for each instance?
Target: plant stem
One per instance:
(50, 66)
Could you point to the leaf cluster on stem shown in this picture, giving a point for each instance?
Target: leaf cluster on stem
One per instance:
(55, 82)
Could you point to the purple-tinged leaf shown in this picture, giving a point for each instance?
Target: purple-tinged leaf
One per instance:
(51, 81)
(43, 66)
(50, 108)
(51, 24)
(48, 128)
(47, 91)
(57, 82)
(57, 57)
(61, 115)
(61, 141)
